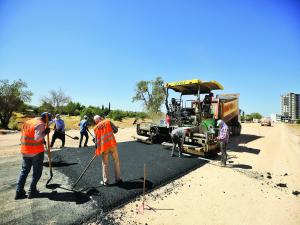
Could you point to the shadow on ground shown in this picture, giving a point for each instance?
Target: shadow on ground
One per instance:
(77, 197)
(59, 164)
(237, 143)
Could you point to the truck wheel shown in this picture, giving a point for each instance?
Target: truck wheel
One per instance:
(239, 130)
(154, 134)
(233, 130)
(138, 130)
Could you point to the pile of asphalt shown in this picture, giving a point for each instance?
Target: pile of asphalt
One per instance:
(160, 169)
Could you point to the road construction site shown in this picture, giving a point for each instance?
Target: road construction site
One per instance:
(260, 185)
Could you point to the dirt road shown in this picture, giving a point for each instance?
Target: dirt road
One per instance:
(261, 160)
(256, 188)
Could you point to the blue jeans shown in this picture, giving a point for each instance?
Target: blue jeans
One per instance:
(177, 141)
(37, 163)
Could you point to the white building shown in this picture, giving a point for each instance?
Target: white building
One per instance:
(290, 106)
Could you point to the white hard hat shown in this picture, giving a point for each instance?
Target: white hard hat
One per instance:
(97, 118)
(219, 122)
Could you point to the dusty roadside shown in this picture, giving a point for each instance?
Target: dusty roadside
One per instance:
(257, 188)
(10, 143)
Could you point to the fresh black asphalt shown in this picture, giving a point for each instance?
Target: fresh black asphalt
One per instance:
(60, 204)
(160, 169)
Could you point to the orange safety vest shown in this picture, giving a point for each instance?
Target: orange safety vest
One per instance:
(28, 144)
(105, 138)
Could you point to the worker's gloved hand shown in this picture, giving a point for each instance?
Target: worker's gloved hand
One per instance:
(94, 140)
(47, 130)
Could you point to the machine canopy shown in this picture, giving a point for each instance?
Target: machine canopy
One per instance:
(191, 87)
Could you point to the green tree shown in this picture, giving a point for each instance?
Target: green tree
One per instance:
(12, 98)
(256, 115)
(152, 93)
(46, 107)
(73, 108)
(57, 99)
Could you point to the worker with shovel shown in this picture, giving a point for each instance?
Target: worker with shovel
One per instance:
(84, 131)
(106, 145)
(59, 131)
(32, 149)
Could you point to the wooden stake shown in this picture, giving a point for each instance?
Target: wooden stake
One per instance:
(144, 186)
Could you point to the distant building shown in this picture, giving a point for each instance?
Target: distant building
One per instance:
(290, 106)
(275, 118)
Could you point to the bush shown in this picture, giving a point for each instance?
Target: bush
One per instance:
(117, 115)
(298, 121)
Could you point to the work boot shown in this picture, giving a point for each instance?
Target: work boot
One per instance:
(222, 164)
(33, 194)
(20, 194)
(119, 181)
(104, 183)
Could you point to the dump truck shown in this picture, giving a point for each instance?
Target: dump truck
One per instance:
(197, 114)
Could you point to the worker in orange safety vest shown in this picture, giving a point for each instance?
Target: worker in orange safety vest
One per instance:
(32, 149)
(106, 144)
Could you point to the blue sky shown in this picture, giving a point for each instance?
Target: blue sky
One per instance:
(96, 51)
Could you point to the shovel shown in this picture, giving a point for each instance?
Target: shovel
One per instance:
(49, 152)
(81, 175)
(94, 140)
(74, 138)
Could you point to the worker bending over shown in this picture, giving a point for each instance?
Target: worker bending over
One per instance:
(106, 145)
(32, 149)
(178, 135)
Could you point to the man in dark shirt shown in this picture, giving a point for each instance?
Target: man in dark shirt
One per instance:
(84, 131)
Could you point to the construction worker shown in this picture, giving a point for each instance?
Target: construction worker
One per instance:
(206, 104)
(106, 145)
(178, 135)
(32, 149)
(84, 131)
(59, 131)
(223, 138)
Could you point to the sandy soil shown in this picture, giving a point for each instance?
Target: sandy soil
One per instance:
(244, 193)
(10, 143)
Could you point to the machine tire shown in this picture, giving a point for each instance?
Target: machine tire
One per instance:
(154, 135)
(138, 130)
